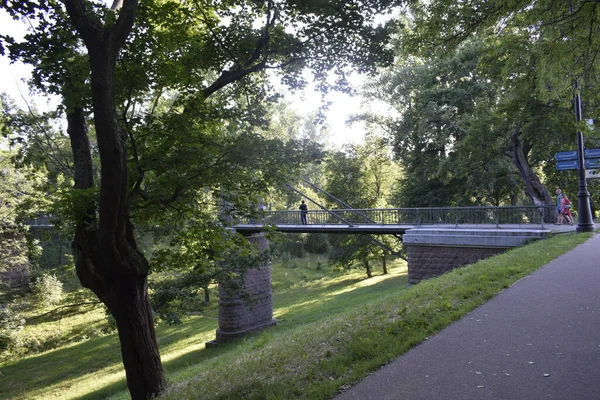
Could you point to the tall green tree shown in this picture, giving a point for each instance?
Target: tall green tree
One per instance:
(536, 51)
(160, 81)
(362, 176)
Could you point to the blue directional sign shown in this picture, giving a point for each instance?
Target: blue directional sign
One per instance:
(591, 153)
(565, 165)
(566, 155)
(593, 163)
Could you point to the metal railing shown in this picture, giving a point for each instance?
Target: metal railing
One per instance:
(41, 221)
(505, 215)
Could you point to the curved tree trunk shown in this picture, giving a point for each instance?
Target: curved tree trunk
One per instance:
(120, 284)
(534, 189)
(107, 259)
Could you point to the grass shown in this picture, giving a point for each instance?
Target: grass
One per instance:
(332, 331)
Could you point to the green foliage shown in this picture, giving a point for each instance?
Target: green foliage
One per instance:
(317, 243)
(11, 323)
(46, 290)
(312, 352)
(362, 176)
(14, 261)
(198, 255)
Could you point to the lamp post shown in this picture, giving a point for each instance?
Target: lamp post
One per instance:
(584, 211)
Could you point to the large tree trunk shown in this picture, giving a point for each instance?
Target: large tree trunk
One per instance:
(120, 284)
(107, 259)
(534, 189)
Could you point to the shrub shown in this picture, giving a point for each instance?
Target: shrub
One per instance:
(317, 243)
(11, 323)
(47, 290)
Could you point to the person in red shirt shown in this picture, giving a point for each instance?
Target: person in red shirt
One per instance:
(566, 209)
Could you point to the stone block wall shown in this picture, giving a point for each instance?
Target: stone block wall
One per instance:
(433, 252)
(430, 261)
(246, 307)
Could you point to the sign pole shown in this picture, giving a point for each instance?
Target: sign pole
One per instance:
(584, 212)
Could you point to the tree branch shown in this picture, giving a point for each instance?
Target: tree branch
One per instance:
(89, 28)
(125, 22)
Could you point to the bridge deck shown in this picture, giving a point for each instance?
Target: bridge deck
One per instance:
(393, 229)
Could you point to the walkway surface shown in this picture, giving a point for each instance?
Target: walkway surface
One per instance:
(539, 339)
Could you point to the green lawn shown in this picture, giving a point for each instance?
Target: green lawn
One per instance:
(332, 331)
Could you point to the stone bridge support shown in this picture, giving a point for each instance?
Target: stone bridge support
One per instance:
(433, 252)
(246, 306)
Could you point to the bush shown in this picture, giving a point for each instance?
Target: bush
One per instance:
(47, 290)
(11, 323)
(317, 243)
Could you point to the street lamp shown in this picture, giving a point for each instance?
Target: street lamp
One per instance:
(584, 211)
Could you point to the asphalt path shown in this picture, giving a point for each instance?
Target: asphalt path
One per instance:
(539, 339)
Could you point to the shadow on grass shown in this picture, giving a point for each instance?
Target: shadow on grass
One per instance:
(329, 299)
(68, 365)
(185, 361)
(37, 372)
(60, 313)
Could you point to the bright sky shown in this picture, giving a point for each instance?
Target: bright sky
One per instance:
(13, 74)
(342, 105)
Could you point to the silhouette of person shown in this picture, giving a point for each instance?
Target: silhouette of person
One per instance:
(303, 213)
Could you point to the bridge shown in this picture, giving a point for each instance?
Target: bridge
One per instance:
(436, 240)
(400, 220)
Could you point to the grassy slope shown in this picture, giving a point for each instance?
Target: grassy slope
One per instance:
(331, 332)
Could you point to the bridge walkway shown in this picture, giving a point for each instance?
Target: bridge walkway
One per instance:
(399, 220)
(393, 229)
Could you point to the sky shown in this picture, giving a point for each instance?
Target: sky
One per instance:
(12, 75)
(342, 105)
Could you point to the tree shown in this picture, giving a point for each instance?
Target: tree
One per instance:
(540, 49)
(362, 177)
(192, 59)
(21, 198)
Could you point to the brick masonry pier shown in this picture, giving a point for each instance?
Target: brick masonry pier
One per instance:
(250, 307)
(433, 252)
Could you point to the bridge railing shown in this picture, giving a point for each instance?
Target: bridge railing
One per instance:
(505, 215)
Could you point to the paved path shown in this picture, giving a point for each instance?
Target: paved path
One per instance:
(539, 339)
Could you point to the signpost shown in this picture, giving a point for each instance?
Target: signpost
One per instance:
(566, 155)
(588, 168)
(567, 160)
(566, 165)
(592, 153)
(592, 164)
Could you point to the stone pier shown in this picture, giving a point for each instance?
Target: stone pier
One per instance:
(433, 252)
(247, 306)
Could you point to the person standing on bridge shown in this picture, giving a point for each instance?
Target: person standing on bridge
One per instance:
(303, 213)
